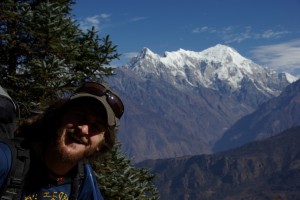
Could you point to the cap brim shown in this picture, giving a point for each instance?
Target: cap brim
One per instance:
(111, 119)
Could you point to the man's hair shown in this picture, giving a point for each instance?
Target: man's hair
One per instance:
(42, 128)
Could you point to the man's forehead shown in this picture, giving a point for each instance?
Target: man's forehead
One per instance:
(87, 105)
(91, 108)
(87, 114)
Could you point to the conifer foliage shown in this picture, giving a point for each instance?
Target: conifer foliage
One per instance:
(119, 179)
(44, 53)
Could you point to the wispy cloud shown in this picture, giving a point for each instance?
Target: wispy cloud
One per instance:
(273, 34)
(135, 19)
(130, 55)
(124, 59)
(236, 34)
(101, 21)
(280, 57)
(94, 21)
(200, 29)
(231, 34)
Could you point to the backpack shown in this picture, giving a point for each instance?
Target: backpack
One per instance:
(8, 112)
(20, 155)
(12, 188)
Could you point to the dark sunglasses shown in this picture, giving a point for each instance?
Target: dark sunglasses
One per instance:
(98, 89)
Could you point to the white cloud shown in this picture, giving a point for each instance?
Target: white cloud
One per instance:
(236, 34)
(101, 21)
(273, 34)
(130, 55)
(231, 34)
(94, 21)
(124, 59)
(280, 57)
(135, 19)
(200, 29)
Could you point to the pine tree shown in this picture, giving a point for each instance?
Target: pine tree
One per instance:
(120, 180)
(44, 53)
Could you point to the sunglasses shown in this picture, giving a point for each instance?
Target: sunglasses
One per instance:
(98, 89)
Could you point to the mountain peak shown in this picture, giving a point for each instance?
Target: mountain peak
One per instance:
(223, 54)
(138, 62)
(146, 53)
(290, 78)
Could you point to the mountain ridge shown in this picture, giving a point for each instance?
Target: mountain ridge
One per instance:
(272, 117)
(218, 62)
(266, 169)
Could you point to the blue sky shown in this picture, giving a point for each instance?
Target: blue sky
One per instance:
(265, 31)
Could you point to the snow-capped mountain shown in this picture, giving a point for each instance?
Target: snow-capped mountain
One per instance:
(208, 68)
(182, 103)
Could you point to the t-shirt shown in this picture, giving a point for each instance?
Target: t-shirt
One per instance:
(89, 189)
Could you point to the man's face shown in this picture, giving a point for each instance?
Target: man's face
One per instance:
(81, 133)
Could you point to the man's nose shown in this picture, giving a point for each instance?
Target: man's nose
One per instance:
(84, 128)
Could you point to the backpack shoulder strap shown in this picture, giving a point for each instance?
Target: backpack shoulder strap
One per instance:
(77, 181)
(20, 165)
(81, 173)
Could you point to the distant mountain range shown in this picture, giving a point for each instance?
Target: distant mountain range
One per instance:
(183, 102)
(267, 169)
(269, 119)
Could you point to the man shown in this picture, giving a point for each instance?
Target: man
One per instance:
(60, 139)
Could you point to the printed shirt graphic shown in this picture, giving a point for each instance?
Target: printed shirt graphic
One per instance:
(61, 192)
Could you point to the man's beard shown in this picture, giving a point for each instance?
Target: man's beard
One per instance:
(65, 156)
